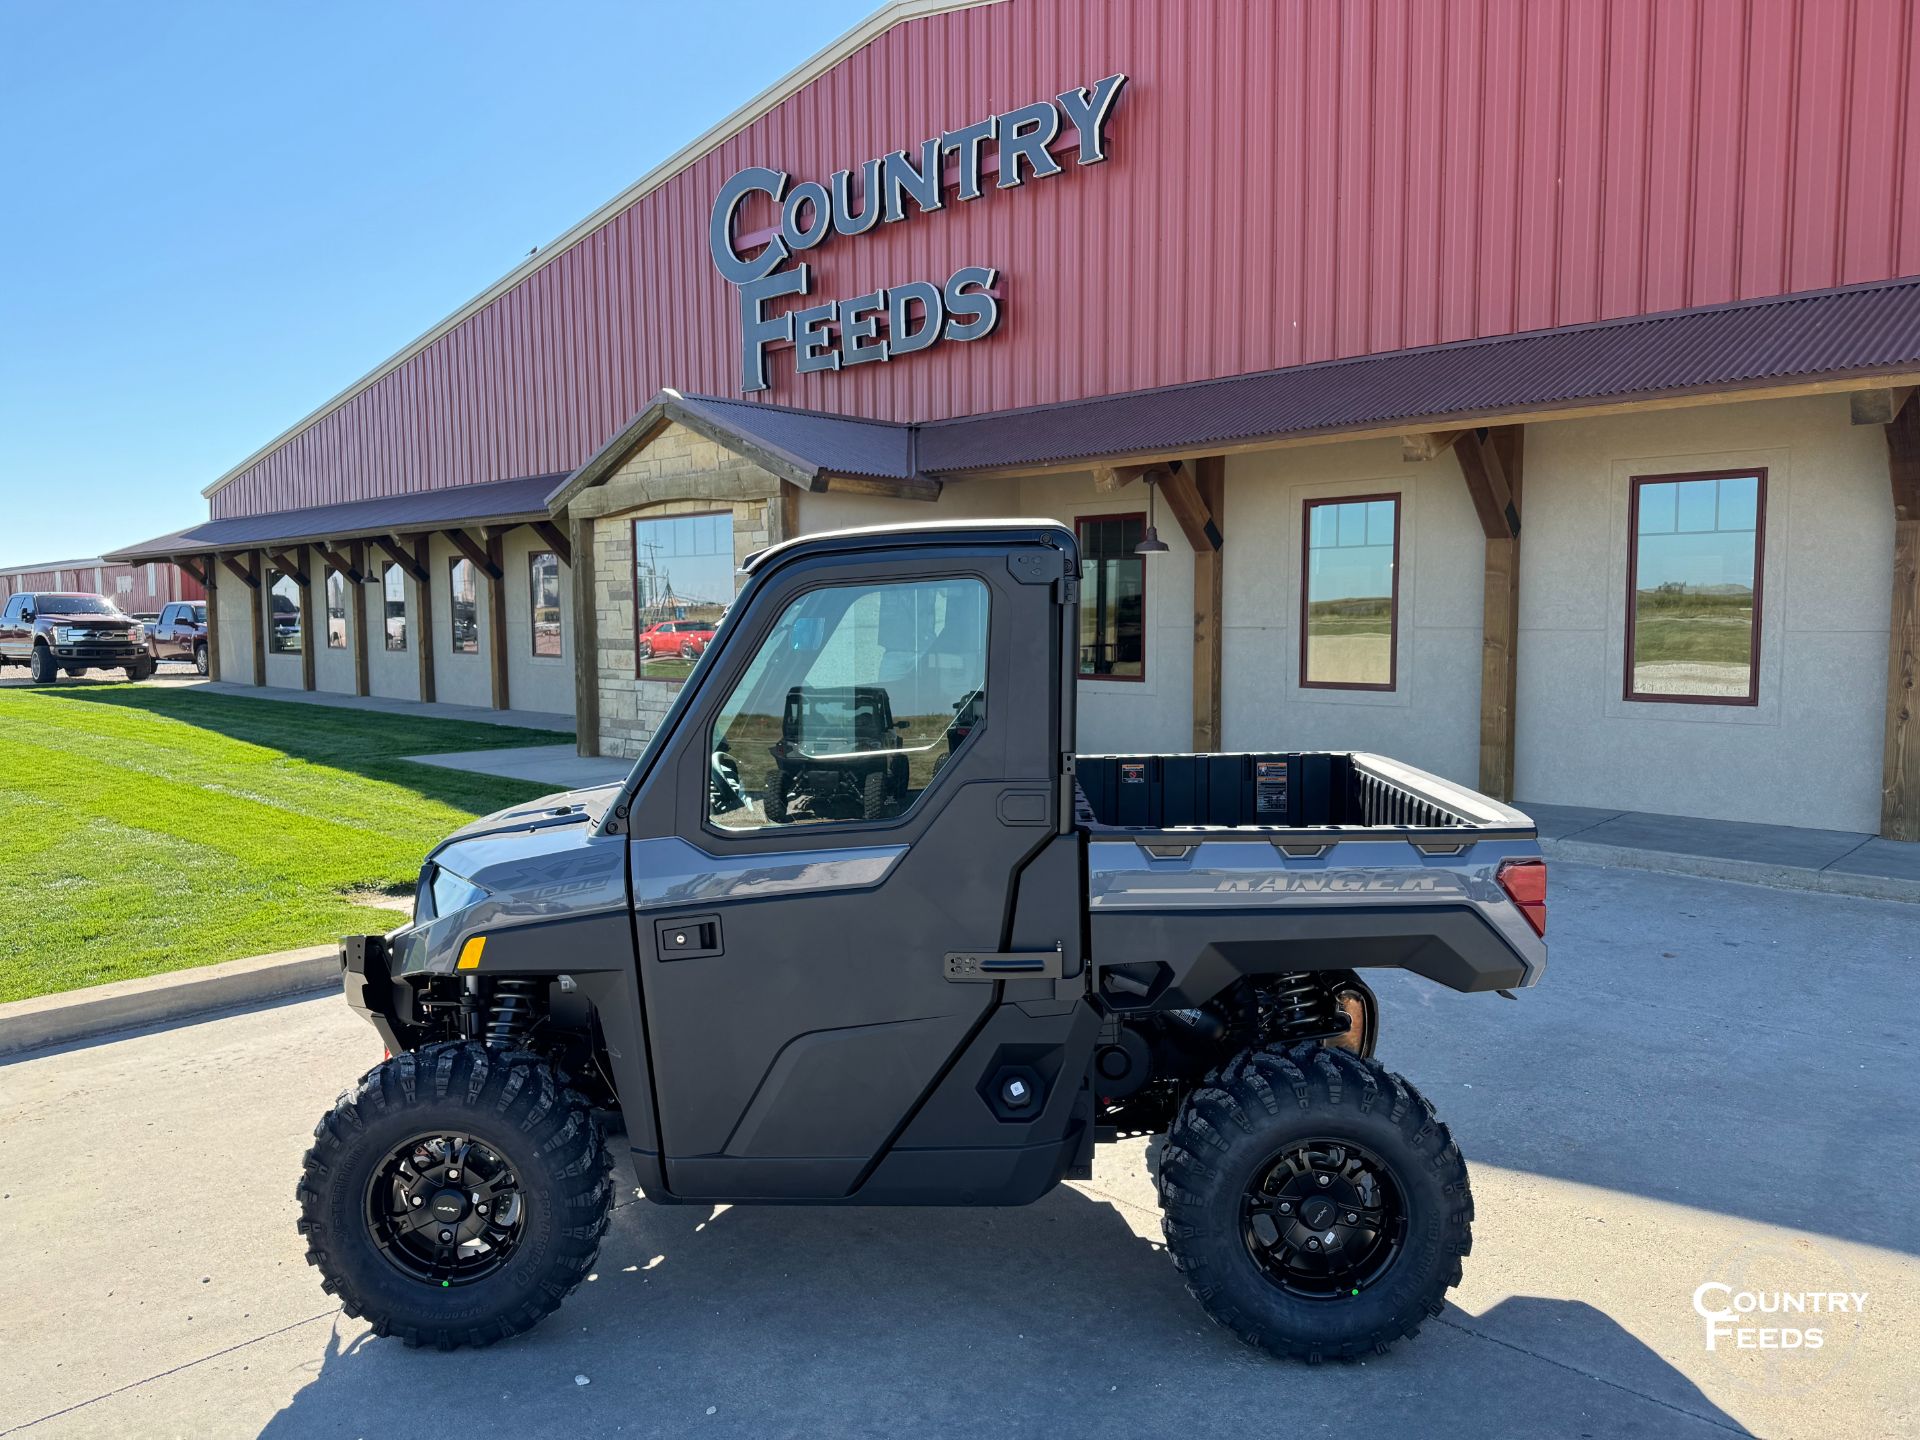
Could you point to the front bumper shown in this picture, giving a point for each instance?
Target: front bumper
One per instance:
(371, 990)
(99, 652)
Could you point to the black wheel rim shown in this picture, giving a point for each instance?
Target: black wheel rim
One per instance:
(445, 1209)
(1324, 1219)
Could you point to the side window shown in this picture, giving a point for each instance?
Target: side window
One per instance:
(853, 703)
(393, 606)
(12, 612)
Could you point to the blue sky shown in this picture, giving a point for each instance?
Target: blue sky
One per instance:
(217, 216)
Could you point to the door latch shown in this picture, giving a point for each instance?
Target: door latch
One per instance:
(694, 938)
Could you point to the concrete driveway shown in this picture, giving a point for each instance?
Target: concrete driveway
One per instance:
(1715, 1081)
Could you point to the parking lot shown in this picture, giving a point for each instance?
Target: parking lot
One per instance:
(1714, 1081)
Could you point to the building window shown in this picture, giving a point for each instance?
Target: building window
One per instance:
(393, 585)
(283, 603)
(682, 586)
(1693, 587)
(464, 614)
(1113, 597)
(543, 602)
(1350, 593)
(336, 610)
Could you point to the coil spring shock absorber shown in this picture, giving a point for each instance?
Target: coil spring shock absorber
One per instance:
(511, 1014)
(1301, 1006)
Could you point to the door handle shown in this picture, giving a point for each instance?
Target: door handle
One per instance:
(695, 938)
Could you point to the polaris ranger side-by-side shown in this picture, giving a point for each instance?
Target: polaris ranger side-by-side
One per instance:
(946, 1003)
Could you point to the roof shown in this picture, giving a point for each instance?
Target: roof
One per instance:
(52, 565)
(890, 14)
(1856, 331)
(495, 502)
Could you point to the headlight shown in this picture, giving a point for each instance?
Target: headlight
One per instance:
(444, 893)
(63, 634)
(138, 634)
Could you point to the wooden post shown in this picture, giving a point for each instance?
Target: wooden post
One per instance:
(1208, 608)
(263, 596)
(212, 584)
(1900, 760)
(357, 578)
(423, 630)
(586, 640)
(1491, 462)
(303, 582)
(497, 618)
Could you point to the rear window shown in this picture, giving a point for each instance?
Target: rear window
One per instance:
(73, 605)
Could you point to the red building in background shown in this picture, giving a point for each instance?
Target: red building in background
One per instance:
(137, 589)
(1635, 280)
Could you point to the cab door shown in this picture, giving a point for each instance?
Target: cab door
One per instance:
(824, 836)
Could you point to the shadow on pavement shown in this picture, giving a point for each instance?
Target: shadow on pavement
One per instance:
(1057, 1319)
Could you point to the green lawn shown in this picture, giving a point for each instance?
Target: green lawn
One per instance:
(152, 829)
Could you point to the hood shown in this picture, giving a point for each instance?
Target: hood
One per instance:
(583, 808)
(97, 622)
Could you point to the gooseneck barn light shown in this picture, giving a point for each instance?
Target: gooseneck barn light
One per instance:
(1151, 543)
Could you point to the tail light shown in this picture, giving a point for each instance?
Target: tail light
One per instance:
(1525, 882)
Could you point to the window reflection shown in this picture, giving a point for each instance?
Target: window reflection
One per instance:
(1695, 579)
(336, 610)
(1351, 592)
(1113, 598)
(283, 606)
(465, 610)
(543, 600)
(394, 588)
(682, 586)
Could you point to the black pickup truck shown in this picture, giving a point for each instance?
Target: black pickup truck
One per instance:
(948, 1003)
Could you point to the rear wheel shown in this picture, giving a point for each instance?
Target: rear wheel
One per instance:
(1314, 1202)
(873, 795)
(42, 667)
(455, 1196)
(775, 801)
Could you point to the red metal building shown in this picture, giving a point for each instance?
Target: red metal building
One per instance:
(1369, 219)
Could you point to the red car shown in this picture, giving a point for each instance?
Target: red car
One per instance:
(180, 634)
(686, 638)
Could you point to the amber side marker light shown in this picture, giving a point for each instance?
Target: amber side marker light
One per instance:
(471, 951)
(1525, 882)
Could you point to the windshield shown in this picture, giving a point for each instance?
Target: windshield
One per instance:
(73, 605)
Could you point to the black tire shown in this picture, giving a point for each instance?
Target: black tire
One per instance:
(513, 1103)
(1270, 1103)
(873, 795)
(141, 670)
(775, 803)
(200, 659)
(689, 651)
(42, 667)
(646, 649)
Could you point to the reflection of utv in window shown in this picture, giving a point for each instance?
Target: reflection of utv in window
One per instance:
(839, 756)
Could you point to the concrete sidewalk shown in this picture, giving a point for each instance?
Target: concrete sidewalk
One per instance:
(378, 704)
(556, 765)
(1843, 862)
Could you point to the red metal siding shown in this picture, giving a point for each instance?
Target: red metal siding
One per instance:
(1289, 182)
(150, 586)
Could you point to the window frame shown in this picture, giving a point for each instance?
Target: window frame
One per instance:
(703, 722)
(1756, 473)
(533, 606)
(1398, 497)
(333, 576)
(406, 612)
(300, 604)
(633, 577)
(454, 562)
(1146, 628)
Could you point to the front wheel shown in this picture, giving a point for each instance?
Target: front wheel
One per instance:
(1316, 1205)
(200, 659)
(42, 667)
(141, 669)
(455, 1196)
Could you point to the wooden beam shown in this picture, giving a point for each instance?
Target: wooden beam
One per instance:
(192, 567)
(294, 569)
(1900, 757)
(555, 539)
(475, 552)
(1493, 467)
(212, 583)
(497, 619)
(586, 640)
(356, 576)
(1492, 489)
(422, 571)
(914, 487)
(1877, 407)
(394, 549)
(248, 574)
(1429, 445)
(263, 599)
(342, 564)
(1112, 479)
(1177, 486)
(1208, 478)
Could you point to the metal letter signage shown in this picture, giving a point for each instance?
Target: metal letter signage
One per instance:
(916, 314)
